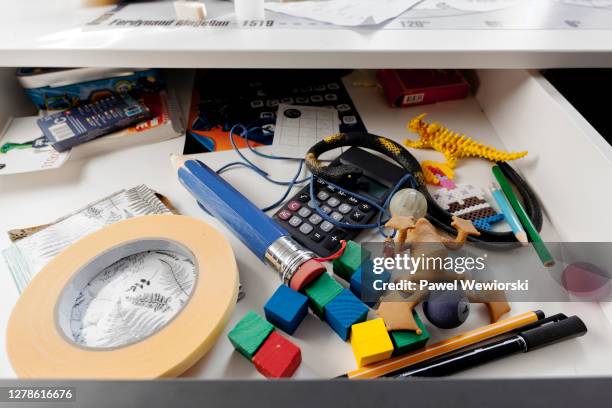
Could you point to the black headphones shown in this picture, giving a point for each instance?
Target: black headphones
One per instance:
(347, 176)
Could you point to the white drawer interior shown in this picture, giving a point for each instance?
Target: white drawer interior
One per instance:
(569, 162)
(568, 166)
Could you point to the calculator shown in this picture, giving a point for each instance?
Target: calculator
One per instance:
(307, 227)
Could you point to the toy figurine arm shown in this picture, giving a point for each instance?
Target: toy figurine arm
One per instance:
(495, 301)
(464, 229)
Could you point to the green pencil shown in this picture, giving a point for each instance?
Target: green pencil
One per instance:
(538, 244)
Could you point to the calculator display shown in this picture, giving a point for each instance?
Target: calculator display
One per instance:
(371, 187)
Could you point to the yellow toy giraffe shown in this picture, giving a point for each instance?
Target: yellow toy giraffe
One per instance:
(452, 145)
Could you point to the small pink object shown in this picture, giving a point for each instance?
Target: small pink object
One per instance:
(586, 280)
(436, 171)
(447, 183)
(442, 177)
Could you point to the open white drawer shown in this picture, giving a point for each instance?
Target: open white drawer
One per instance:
(570, 159)
(568, 166)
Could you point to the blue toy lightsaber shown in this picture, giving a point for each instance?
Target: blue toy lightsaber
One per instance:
(264, 237)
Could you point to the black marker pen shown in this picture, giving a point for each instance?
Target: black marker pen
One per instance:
(524, 341)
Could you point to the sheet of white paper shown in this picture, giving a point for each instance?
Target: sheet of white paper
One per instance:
(588, 3)
(345, 12)
(425, 15)
(18, 155)
(298, 128)
(467, 5)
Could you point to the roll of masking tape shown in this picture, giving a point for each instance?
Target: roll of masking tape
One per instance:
(143, 298)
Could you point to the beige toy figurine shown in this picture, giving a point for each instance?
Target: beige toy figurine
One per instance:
(426, 242)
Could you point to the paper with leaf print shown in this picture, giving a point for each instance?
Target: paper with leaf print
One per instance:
(132, 299)
(27, 256)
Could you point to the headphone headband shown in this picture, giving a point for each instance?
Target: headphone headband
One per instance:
(440, 218)
(338, 174)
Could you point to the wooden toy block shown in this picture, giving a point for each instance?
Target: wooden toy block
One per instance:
(286, 309)
(277, 357)
(343, 311)
(351, 259)
(407, 340)
(321, 292)
(370, 342)
(356, 283)
(362, 283)
(250, 333)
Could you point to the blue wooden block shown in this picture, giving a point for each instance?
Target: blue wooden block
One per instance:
(344, 311)
(286, 309)
(362, 283)
(356, 283)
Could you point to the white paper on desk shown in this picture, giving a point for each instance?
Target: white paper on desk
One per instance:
(345, 12)
(467, 5)
(26, 159)
(295, 134)
(588, 3)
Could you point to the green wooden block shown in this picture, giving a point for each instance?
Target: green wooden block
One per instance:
(250, 333)
(321, 292)
(351, 259)
(407, 340)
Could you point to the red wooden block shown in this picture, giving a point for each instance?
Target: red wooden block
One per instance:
(277, 357)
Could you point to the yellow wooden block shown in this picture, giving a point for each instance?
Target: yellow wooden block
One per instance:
(370, 342)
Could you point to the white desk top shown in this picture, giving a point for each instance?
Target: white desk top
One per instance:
(537, 35)
(32, 199)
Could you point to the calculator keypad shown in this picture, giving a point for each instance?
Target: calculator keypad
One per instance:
(304, 212)
(326, 209)
(284, 215)
(315, 219)
(357, 216)
(323, 195)
(317, 236)
(364, 207)
(326, 226)
(306, 228)
(311, 230)
(333, 202)
(336, 216)
(294, 205)
(345, 208)
(295, 221)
